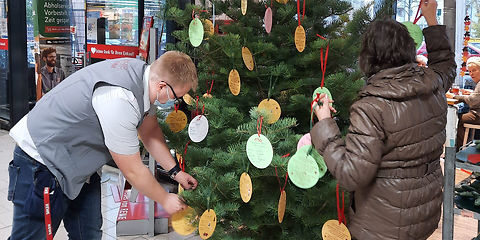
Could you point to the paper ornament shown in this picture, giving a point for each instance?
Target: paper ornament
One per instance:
(259, 151)
(303, 168)
(300, 38)
(198, 128)
(282, 202)
(207, 224)
(243, 6)
(415, 32)
(272, 108)
(188, 99)
(305, 140)
(247, 58)
(176, 120)
(208, 27)
(321, 90)
(245, 187)
(182, 221)
(333, 230)
(207, 95)
(282, 1)
(195, 32)
(268, 19)
(234, 82)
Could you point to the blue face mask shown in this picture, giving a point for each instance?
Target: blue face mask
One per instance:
(169, 104)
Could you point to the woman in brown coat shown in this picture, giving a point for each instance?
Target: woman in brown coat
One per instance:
(390, 157)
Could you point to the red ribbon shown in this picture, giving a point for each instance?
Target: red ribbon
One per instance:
(341, 211)
(211, 85)
(298, 11)
(176, 107)
(184, 158)
(418, 16)
(259, 129)
(47, 209)
(278, 179)
(323, 63)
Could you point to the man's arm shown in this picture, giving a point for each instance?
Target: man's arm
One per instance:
(152, 137)
(140, 177)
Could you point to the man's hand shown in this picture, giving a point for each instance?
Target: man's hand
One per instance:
(172, 203)
(429, 11)
(323, 111)
(187, 181)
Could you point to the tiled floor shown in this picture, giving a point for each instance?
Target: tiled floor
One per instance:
(465, 228)
(109, 206)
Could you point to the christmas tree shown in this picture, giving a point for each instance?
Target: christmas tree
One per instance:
(279, 72)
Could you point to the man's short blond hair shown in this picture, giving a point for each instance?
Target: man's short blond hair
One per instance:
(473, 61)
(177, 66)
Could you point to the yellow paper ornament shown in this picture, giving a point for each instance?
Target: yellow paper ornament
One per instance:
(188, 99)
(208, 28)
(207, 224)
(176, 120)
(182, 221)
(234, 82)
(300, 38)
(243, 6)
(332, 230)
(282, 203)
(245, 187)
(247, 58)
(273, 110)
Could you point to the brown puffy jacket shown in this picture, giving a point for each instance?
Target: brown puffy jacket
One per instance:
(390, 157)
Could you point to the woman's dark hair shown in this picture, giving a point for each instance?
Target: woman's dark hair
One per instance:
(386, 44)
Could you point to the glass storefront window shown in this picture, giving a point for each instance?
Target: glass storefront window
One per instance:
(406, 10)
(121, 21)
(4, 106)
(154, 8)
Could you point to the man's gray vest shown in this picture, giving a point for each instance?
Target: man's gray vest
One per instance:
(65, 128)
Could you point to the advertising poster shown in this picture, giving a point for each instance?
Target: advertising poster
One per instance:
(53, 56)
(145, 37)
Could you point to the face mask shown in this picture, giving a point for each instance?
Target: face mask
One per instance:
(169, 104)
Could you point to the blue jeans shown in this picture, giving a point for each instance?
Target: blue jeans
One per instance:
(82, 216)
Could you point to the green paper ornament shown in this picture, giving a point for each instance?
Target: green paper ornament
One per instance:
(259, 151)
(195, 32)
(306, 167)
(415, 32)
(321, 90)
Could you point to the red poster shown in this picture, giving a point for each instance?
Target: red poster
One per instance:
(145, 37)
(3, 44)
(112, 51)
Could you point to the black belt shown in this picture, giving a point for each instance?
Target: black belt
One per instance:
(409, 172)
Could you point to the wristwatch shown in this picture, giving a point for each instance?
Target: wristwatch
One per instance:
(174, 171)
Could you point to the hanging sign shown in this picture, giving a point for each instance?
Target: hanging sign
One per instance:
(259, 151)
(176, 120)
(300, 38)
(111, 51)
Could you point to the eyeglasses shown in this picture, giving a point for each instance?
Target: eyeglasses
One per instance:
(177, 100)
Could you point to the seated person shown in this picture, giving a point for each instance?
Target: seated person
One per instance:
(473, 100)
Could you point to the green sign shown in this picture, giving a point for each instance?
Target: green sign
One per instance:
(51, 18)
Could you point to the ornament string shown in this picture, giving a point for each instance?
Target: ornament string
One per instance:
(259, 125)
(278, 179)
(184, 158)
(211, 85)
(298, 12)
(418, 15)
(323, 62)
